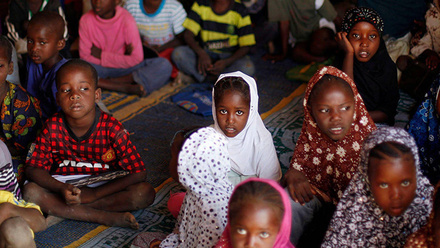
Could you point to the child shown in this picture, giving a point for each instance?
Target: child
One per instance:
(327, 151)
(19, 219)
(428, 236)
(425, 128)
(45, 40)
(79, 142)
(387, 199)
(160, 25)
(203, 168)
(20, 114)
(119, 58)
(225, 31)
(366, 60)
(259, 216)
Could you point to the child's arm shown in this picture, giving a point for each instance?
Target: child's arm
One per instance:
(432, 59)
(301, 54)
(284, 36)
(298, 185)
(32, 216)
(204, 61)
(220, 65)
(347, 65)
(177, 41)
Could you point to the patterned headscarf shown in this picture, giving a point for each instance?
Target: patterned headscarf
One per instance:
(283, 237)
(360, 222)
(362, 14)
(425, 128)
(203, 167)
(329, 165)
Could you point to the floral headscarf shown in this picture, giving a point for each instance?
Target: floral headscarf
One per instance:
(362, 14)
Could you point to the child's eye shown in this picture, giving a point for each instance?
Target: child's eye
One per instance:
(405, 183)
(239, 112)
(373, 36)
(346, 108)
(264, 235)
(42, 42)
(355, 35)
(324, 110)
(85, 88)
(241, 231)
(223, 111)
(65, 90)
(383, 185)
(30, 41)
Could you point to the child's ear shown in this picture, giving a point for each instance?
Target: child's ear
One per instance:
(11, 68)
(61, 44)
(97, 95)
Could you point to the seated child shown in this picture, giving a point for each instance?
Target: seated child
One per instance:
(259, 216)
(203, 170)
(387, 199)
(119, 58)
(20, 114)
(327, 151)
(45, 40)
(225, 31)
(366, 60)
(81, 141)
(429, 235)
(160, 25)
(424, 126)
(19, 219)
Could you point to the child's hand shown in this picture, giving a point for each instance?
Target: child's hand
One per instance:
(205, 63)
(341, 38)
(432, 61)
(96, 52)
(71, 194)
(299, 187)
(218, 67)
(128, 49)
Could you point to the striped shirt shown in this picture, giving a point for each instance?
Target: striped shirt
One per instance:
(8, 180)
(220, 32)
(160, 27)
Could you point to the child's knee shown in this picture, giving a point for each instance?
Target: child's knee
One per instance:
(31, 192)
(143, 195)
(15, 232)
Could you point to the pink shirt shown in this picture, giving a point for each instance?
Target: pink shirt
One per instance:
(111, 36)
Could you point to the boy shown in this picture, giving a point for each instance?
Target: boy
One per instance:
(44, 41)
(81, 141)
(226, 34)
(110, 41)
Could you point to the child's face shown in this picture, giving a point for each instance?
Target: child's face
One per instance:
(232, 112)
(393, 183)
(6, 67)
(43, 44)
(105, 8)
(77, 93)
(333, 110)
(365, 40)
(254, 226)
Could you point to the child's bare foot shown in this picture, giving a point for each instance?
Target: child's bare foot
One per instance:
(126, 220)
(136, 89)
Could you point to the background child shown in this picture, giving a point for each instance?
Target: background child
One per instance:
(259, 216)
(387, 199)
(425, 128)
(81, 141)
(19, 219)
(119, 58)
(225, 32)
(366, 60)
(327, 151)
(45, 40)
(203, 168)
(428, 236)
(20, 112)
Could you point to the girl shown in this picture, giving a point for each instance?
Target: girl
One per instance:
(387, 199)
(327, 151)
(425, 128)
(367, 61)
(203, 167)
(259, 216)
(235, 113)
(429, 235)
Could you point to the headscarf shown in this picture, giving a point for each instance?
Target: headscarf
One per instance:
(425, 128)
(360, 222)
(283, 236)
(330, 165)
(252, 151)
(203, 167)
(376, 79)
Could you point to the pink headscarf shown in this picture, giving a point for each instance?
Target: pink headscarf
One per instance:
(283, 237)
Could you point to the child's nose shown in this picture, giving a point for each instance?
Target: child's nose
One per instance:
(250, 241)
(74, 96)
(394, 193)
(230, 119)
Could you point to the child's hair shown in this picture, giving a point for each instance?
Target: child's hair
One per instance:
(234, 84)
(389, 149)
(4, 42)
(362, 14)
(51, 20)
(78, 63)
(325, 79)
(256, 192)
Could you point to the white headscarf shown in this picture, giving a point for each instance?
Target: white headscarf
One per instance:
(203, 170)
(252, 151)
